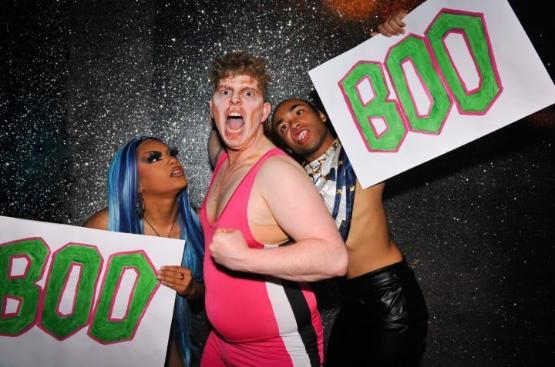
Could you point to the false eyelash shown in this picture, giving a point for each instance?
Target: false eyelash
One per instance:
(174, 152)
(153, 156)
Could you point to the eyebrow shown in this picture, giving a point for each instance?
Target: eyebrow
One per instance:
(290, 109)
(294, 106)
(241, 86)
(254, 89)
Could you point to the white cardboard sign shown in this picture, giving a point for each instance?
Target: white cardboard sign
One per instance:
(463, 69)
(73, 296)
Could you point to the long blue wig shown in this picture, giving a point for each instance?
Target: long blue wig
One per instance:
(123, 185)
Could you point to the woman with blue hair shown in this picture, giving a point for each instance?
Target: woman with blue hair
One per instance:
(147, 194)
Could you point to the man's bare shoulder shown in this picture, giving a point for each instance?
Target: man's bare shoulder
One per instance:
(279, 172)
(282, 175)
(281, 163)
(99, 220)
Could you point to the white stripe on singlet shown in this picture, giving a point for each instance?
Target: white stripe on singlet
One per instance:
(287, 324)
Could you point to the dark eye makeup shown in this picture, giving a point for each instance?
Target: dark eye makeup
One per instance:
(155, 156)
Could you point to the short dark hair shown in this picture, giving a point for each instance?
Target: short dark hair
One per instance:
(240, 63)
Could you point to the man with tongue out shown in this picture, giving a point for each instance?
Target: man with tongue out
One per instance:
(266, 232)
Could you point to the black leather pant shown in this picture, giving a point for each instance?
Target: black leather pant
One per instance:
(383, 320)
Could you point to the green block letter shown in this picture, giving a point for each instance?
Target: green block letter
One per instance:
(89, 260)
(414, 49)
(23, 287)
(471, 27)
(103, 328)
(378, 107)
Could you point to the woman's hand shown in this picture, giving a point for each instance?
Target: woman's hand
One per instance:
(179, 279)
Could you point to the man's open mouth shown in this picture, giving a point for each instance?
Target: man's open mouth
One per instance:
(301, 137)
(235, 121)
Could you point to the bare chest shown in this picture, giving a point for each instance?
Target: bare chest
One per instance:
(228, 188)
(225, 185)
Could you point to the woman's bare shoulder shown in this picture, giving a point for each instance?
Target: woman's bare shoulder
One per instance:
(99, 220)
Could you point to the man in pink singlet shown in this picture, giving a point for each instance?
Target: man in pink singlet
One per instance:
(266, 232)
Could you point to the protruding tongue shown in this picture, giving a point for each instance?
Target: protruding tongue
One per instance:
(235, 122)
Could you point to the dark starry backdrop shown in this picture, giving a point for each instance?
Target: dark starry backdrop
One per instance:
(79, 78)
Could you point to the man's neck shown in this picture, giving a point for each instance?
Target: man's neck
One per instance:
(256, 148)
(326, 144)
